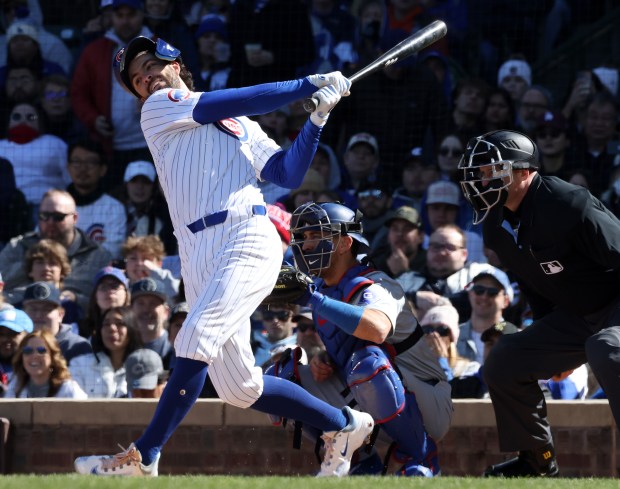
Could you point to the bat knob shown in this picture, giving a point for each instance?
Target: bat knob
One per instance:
(310, 104)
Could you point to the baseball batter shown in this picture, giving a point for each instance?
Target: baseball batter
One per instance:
(209, 157)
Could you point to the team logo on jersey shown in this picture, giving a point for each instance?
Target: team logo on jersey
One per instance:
(321, 321)
(96, 232)
(233, 127)
(552, 267)
(177, 95)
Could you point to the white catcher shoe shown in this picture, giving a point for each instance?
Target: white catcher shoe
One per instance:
(340, 445)
(128, 463)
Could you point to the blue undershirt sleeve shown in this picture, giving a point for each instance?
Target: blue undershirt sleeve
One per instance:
(346, 316)
(287, 168)
(247, 101)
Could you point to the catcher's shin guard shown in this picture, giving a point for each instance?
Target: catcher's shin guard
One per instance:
(380, 392)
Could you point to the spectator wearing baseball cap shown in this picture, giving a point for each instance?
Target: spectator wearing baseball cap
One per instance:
(111, 289)
(440, 325)
(43, 305)
(14, 325)
(417, 175)
(214, 53)
(146, 209)
(553, 140)
(403, 251)
(24, 48)
(442, 206)
(489, 293)
(145, 374)
(149, 303)
(515, 76)
(361, 161)
(312, 184)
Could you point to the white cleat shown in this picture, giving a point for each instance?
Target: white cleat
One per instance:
(128, 463)
(340, 445)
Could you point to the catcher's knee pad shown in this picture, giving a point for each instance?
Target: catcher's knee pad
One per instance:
(286, 368)
(374, 383)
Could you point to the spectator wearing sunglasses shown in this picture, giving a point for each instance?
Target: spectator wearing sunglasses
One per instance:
(449, 152)
(39, 159)
(440, 325)
(57, 218)
(489, 294)
(278, 330)
(553, 140)
(374, 200)
(40, 370)
(307, 336)
(56, 108)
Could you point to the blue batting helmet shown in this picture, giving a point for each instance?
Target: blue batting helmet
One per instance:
(120, 65)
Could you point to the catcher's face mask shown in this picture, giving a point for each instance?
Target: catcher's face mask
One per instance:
(312, 238)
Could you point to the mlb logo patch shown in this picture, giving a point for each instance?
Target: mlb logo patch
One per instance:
(177, 95)
(233, 127)
(552, 267)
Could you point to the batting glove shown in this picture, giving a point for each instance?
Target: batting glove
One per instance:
(327, 97)
(334, 78)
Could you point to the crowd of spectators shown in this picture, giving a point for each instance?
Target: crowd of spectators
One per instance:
(90, 279)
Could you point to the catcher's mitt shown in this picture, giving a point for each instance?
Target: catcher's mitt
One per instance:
(290, 287)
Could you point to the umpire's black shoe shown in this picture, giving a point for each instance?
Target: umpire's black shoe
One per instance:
(529, 463)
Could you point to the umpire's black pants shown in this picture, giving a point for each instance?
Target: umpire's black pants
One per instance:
(553, 344)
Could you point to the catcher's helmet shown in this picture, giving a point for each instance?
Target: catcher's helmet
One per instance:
(120, 65)
(331, 219)
(487, 166)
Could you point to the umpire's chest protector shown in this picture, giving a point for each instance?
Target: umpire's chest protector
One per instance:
(341, 345)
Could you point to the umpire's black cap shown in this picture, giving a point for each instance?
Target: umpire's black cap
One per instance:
(160, 48)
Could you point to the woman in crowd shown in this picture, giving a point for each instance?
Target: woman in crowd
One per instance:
(111, 290)
(102, 373)
(40, 370)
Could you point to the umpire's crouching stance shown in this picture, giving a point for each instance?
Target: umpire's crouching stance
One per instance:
(564, 247)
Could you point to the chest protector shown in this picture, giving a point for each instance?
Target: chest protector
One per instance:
(339, 344)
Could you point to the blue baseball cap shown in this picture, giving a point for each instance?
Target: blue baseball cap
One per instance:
(42, 292)
(117, 273)
(16, 320)
(149, 286)
(212, 23)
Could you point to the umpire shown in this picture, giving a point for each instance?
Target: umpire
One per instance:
(563, 246)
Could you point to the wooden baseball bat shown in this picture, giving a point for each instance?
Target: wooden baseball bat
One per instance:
(407, 47)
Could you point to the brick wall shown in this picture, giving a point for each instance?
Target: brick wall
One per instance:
(46, 435)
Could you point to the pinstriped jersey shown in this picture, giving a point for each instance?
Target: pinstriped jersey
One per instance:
(203, 168)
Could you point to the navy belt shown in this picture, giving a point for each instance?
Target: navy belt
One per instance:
(219, 217)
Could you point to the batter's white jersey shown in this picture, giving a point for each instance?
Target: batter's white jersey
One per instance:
(227, 268)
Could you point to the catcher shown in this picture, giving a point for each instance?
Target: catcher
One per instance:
(374, 358)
